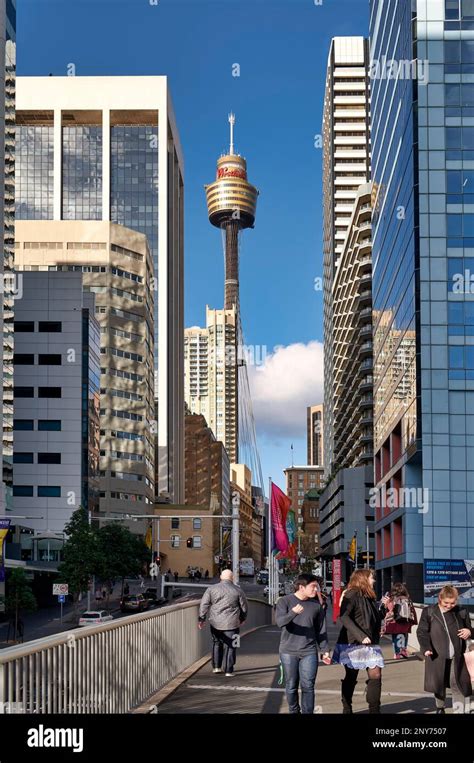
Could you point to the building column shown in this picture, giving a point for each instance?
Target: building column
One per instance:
(58, 162)
(106, 164)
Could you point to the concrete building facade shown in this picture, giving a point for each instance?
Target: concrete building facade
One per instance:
(116, 266)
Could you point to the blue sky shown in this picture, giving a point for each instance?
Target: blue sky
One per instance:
(281, 47)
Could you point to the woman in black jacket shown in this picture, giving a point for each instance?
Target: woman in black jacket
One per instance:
(358, 643)
(442, 633)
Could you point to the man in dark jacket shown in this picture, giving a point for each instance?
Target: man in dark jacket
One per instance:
(226, 605)
(303, 623)
(442, 633)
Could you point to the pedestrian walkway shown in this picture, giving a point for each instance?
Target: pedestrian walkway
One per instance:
(255, 686)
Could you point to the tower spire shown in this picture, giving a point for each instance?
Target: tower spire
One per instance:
(232, 123)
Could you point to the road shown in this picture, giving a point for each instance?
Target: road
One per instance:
(46, 621)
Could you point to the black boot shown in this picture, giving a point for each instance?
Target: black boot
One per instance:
(374, 691)
(347, 691)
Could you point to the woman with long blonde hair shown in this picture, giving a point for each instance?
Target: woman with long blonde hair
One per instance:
(358, 647)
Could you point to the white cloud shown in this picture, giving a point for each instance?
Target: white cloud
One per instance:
(282, 388)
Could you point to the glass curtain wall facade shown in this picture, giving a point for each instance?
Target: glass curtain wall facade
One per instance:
(35, 170)
(82, 172)
(423, 158)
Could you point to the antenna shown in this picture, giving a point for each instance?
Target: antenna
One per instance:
(232, 123)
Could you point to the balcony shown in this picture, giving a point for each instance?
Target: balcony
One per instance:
(366, 401)
(366, 365)
(366, 349)
(366, 383)
(365, 315)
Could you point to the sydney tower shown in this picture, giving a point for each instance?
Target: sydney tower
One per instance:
(231, 204)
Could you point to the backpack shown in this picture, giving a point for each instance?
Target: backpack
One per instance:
(402, 611)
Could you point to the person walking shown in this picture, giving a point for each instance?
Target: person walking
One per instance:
(442, 634)
(400, 617)
(357, 646)
(226, 606)
(302, 620)
(176, 577)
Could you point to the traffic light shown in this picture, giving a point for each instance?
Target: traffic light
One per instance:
(189, 543)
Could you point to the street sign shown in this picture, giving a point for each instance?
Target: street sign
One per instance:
(60, 589)
(61, 598)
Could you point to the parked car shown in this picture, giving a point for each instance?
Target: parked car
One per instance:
(95, 618)
(153, 597)
(134, 603)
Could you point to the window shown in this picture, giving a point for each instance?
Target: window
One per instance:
(49, 360)
(23, 425)
(23, 458)
(197, 523)
(49, 392)
(49, 491)
(23, 391)
(49, 458)
(23, 490)
(24, 326)
(175, 541)
(49, 425)
(53, 326)
(197, 541)
(23, 359)
(175, 523)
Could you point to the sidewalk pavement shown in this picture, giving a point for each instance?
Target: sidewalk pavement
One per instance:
(255, 686)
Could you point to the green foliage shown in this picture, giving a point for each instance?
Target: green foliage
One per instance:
(19, 594)
(80, 553)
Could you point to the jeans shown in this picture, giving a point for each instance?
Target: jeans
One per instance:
(224, 648)
(400, 642)
(300, 671)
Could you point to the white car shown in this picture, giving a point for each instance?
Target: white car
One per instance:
(95, 618)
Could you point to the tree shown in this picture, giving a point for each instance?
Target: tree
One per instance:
(80, 554)
(19, 596)
(120, 553)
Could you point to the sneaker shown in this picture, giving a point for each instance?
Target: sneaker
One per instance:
(404, 654)
(217, 670)
(230, 675)
(397, 656)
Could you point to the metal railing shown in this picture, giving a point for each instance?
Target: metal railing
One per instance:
(108, 668)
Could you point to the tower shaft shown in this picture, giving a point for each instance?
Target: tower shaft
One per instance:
(231, 287)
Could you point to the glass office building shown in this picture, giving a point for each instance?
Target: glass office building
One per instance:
(422, 108)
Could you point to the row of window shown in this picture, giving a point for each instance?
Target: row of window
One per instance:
(44, 359)
(120, 455)
(44, 425)
(43, 491)
(122, 414)
(43, 326)
(122, 435)
(122, 354)
(122, 374)
(176, 540)
(97, 269)
(122, 393)
(43, 458)
(175, 521)
(42, 392)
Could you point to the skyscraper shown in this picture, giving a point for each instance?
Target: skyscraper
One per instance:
(7, 220)
(96, 148)
(346, 165)
(423, 245)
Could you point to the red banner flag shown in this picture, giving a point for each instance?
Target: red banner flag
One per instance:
(336, 588)
(280, 505)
